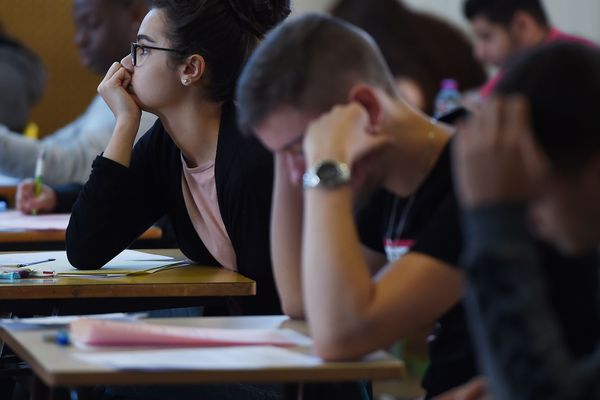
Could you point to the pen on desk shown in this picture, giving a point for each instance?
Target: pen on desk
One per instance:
(38, 274)
(26, 264)
(37, 179)
(36, 262)
(61, 338)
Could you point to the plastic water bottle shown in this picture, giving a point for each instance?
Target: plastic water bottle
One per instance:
(448, 98)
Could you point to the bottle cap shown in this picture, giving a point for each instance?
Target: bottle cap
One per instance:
(449, 84)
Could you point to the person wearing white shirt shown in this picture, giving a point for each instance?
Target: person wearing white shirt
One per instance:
(104, 30)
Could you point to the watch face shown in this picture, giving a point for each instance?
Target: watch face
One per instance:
(329, 173)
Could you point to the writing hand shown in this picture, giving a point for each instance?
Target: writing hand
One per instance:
(27, 201)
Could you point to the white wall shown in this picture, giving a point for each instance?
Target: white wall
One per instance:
(300, 6)
(581, 17)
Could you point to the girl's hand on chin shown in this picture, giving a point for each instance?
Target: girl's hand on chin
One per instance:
(116, 91)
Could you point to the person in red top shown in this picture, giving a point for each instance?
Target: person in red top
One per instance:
(504, 27)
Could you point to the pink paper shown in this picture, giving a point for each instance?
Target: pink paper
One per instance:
(18, 220)
(116, 333)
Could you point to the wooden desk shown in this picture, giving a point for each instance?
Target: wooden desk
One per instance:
(158, 290)
(31, 233)
(57, 235)
(56, 366)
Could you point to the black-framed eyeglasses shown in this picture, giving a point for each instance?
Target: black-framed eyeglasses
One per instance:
(138, 49)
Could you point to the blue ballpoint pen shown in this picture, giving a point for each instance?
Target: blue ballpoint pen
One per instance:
(61, 338)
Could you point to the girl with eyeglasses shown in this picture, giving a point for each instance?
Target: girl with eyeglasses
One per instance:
(193, 165)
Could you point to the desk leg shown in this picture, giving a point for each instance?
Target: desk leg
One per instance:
(293, 391)
(8, 315)
(39, 390)
(83, 394)
(326, 391)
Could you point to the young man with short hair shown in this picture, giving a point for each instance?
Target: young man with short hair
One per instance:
(504, 27)
(318, 94)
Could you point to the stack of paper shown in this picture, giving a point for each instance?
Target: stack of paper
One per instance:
(63, 320)
(6, 180)
(230, 358)
(126, 263)
(90, 332)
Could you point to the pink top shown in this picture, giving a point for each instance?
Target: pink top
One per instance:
(201, 201)
(557, 36)
(553, 36)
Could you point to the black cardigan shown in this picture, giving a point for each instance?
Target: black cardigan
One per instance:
(118, 204)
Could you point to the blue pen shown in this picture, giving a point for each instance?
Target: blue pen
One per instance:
(61, 338)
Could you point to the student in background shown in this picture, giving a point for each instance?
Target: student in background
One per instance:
(505, 27)
(193, 166)
(420, 50)
(318, 94)
(513, 166)
(22, 82)
(104, 30)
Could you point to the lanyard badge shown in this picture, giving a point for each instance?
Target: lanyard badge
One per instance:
(394, 249)
(395, 245)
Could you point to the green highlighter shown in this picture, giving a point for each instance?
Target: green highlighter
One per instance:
(37, 179)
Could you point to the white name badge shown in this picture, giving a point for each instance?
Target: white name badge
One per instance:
(394, 249)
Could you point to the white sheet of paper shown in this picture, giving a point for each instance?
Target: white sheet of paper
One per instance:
(17, 220)
(6, 180)
(246, 357)
(128, 260)
(113, 267)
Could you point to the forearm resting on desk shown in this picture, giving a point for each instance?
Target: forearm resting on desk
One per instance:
(286, 236)
(111, 212)
(349, 313)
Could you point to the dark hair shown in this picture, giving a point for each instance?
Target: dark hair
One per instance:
(224, 32)
(561, 82)
(309, 63)
(418, 46)
(503, 11)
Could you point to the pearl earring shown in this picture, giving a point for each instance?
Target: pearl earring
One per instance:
(185, 81)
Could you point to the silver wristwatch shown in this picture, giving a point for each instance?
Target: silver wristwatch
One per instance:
(326, 174)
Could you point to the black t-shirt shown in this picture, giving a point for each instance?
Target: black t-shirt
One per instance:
(430, 220)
